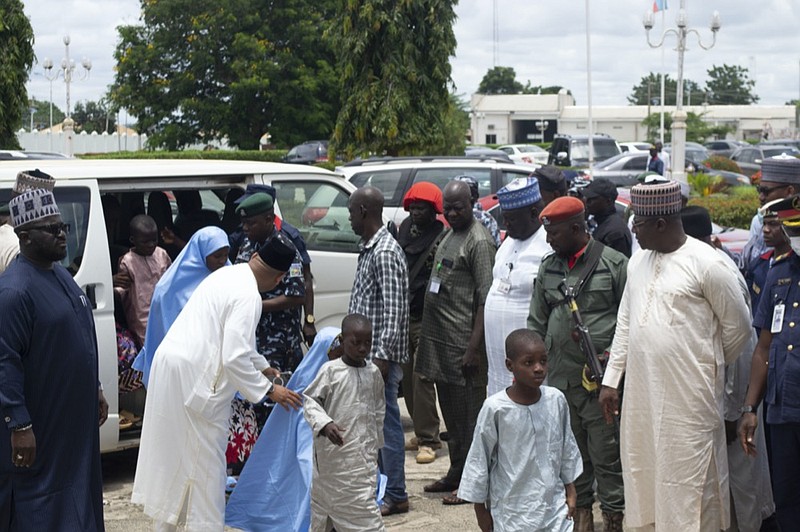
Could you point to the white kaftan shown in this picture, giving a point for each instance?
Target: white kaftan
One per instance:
(520, 459)
(207, 355)
(751, 488)
(508, 303)
(681, 319)
(344, 480)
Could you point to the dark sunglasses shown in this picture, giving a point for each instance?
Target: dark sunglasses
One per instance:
(53, 229)
(767, 190)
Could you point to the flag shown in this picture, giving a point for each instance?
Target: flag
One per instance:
(659, 5)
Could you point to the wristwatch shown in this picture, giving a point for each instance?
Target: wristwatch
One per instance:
(310, 319)
(748, 409)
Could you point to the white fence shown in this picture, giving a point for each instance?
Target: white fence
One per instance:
(82, 142)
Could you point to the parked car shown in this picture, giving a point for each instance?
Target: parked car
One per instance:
(393, 176)
(18, 155)
(309, 152)
(782, 142)
(621, 169)
(749, 158)
(526, 153)
(635, 146)
(482, 151)
(573, 150)
(725, 148)
(312, 199)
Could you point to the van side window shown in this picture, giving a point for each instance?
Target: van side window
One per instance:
(319, 211)
(73, 202)
(441, 176)
(389, 182)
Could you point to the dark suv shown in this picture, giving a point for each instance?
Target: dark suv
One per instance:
(573, 150)
(309, 152)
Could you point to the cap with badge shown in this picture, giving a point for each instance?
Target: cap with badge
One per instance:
(521, 192)
(550, 177)
(787, 209)
(600, 188)
(781, 169)
(258, 203)
(31, 206)
(656, 199)
(277, 253)
(561, 209)
(32, 180)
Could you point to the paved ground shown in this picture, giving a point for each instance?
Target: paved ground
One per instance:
(427, 511)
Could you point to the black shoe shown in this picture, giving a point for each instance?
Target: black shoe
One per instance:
(444, 436)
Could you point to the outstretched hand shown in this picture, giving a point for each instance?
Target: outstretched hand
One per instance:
(285, 397)
(333, 432)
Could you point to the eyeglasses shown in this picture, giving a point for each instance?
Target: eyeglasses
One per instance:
(768, 190)
(53, 229)
(640, 222)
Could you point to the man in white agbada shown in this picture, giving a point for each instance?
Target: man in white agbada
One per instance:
(207, 355)
(516, 264)
(345, 407)
(751, 489)
(681, 320)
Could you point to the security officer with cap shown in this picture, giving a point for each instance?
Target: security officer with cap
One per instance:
(600, 197)
(775, 372)
(596, 274)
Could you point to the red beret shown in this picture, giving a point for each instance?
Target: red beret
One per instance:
(424, 191)
(560, 210)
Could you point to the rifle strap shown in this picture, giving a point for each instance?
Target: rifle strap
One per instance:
(422, 259)
(592, 260)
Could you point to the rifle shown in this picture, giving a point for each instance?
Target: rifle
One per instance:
(595, 376)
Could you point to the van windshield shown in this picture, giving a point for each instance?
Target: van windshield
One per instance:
(603, 149)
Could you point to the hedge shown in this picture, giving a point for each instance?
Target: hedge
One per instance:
(718, 162)
(272, 156)
(735, 209)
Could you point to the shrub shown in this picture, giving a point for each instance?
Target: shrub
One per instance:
(706, 184)
(718, 162)
(736, 209)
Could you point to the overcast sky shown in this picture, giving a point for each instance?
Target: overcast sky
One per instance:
(543, 40)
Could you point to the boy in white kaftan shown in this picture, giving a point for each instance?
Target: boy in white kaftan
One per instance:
(521, 458)
(350, 399)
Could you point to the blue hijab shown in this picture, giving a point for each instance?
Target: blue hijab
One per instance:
(274, 489)
(174, 289)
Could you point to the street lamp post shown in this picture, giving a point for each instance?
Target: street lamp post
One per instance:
(67, 71)
(542, 126)
(679, 116)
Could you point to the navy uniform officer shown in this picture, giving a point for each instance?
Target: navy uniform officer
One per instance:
(776, 367)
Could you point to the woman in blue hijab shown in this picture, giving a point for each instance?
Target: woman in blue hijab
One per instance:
(206, 252)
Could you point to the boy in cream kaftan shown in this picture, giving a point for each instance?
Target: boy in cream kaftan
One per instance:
(345, 407)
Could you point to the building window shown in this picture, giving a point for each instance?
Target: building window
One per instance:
(491, 139)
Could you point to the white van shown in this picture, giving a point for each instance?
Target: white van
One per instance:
(312, 199)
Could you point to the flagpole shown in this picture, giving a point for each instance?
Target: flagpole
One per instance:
(663, 68)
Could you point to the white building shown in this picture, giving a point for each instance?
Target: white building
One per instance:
(524, 118)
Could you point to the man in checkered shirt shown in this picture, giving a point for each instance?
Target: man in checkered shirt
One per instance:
(380, 292)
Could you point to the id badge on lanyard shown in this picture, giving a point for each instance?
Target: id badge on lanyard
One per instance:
(777, 318)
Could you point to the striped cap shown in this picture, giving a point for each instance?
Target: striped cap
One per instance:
(31, 206)
(33, 179)
(781, 169)
(657, 199)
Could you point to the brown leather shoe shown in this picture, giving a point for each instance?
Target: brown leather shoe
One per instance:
(612, 521)
(390, 507)
(584, 520)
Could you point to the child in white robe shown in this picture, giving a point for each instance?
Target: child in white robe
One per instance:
(523, 460)
(345, 407)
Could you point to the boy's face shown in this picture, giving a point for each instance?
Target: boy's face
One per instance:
(145, 241)
(530, 365)
(357, 343)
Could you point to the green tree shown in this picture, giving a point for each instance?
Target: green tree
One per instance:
(394, 63)
(16, 49)
(41, 118)
(501, 80)
(650, 86)
(456, 124)
(697, 130)
(196, 70)
(95, 117)
(730, 85)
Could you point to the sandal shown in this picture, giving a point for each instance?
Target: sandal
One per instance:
(453, 499)
(440, 486)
